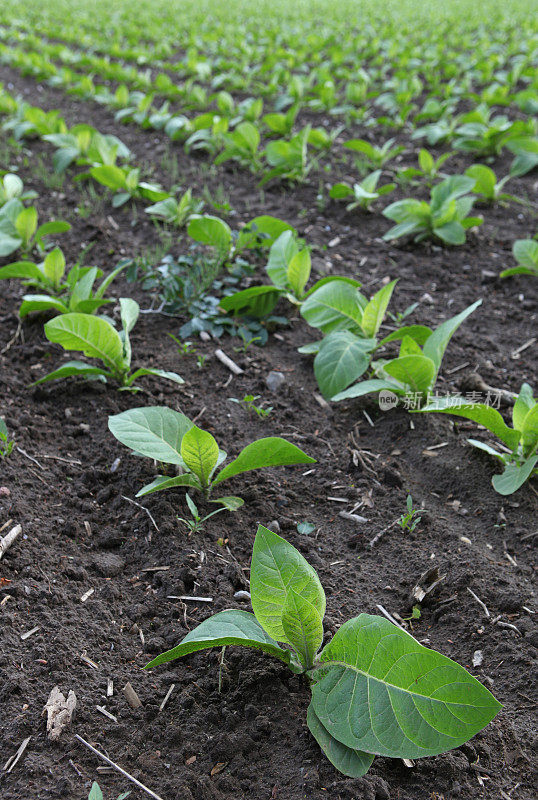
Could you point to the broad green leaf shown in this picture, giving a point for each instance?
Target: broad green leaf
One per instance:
(451, 232)
(200, 452)
(153, 431)
(82, 289)
(281, 253)
(340, 191)
(514, 476)
(71, 368)
(364, 387)
(257, 301)
(409, 347)
(272, 451)
(211, 231)
(380, 691)
(230, 502)
(417, 332)
(41, 302)
(436, 344)
(523, 404)
(302, 626)
(277, 567)
(110, 176)
(334, 306)
(26, 223)
(158, 373)
(54, 266)
(227, 628)
(415, 372)
(161, 482)
(129, 311)
(481, 413)
(8, 245)
(55, 226)
(93, 336)
(298, 271)
(526, 253)
(352, 763)
(375, 310)
(529, 430)
(342, 358)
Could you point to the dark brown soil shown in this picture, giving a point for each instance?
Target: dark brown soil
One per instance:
(81, 533)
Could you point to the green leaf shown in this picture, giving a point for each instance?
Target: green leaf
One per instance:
(280, 255)
(227, 628)
(529, 430)
(487, 449)
(334, 306)
(229, 502)
(158, 373)
(55, 226)
(41, 302)
(415, 372)
(200, 452)
(110, 176)
(374, 313)
(161, 482)
(302, 626)
(8, 245)
(364, 387)
(481, 413)
(352, 763)
(103, 286)
(277, 567)
(524, 402)
(298, 271)
(272, 451)
(514, 476)
(417, 332)
(340, 191)
(211, 231)
(526, 253)
(436, 344)
(341, 359)
(26, 224)
(451, 232)
(155, 432)
(381, 691)
(257, 301)
(95, 792)
(54, 266)
(70, 368)
(93, 336)
(129, 311)
(21, 269)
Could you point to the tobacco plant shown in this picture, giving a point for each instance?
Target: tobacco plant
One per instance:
(519, 449)
(375, 689)
(525, 252)
(126, 184)
(171, 438)
(60, 292)
(96, 338)
(11, 187)
(414, 372)
(445, 217)
(370, 155)
(176, 212)
(19, 229)
(487, 187)
(363, 193)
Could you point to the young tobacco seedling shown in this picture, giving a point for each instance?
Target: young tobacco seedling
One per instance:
(126, 184)
(171, 438)
(375, 689)
(12, 187)
(6, 444)
(350, 323)
(413, 374)
(429, 168)
(59, 292)
(249, 402)
(176, 212)
(371, 155)
(363, 193)
(97, 794)
(196, 522)
(241, 145)
(444, 217)
(525, 252)
(521, 441)
(409, 520)
(488, 189)
(288, 159)
(19, 229)
(96, 338)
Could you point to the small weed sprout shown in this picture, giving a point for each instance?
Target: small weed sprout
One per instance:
(249, 402)
(196, 522)
(6, 444)
(409, 520)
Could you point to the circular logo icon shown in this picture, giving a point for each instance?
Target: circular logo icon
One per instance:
(387, 400)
